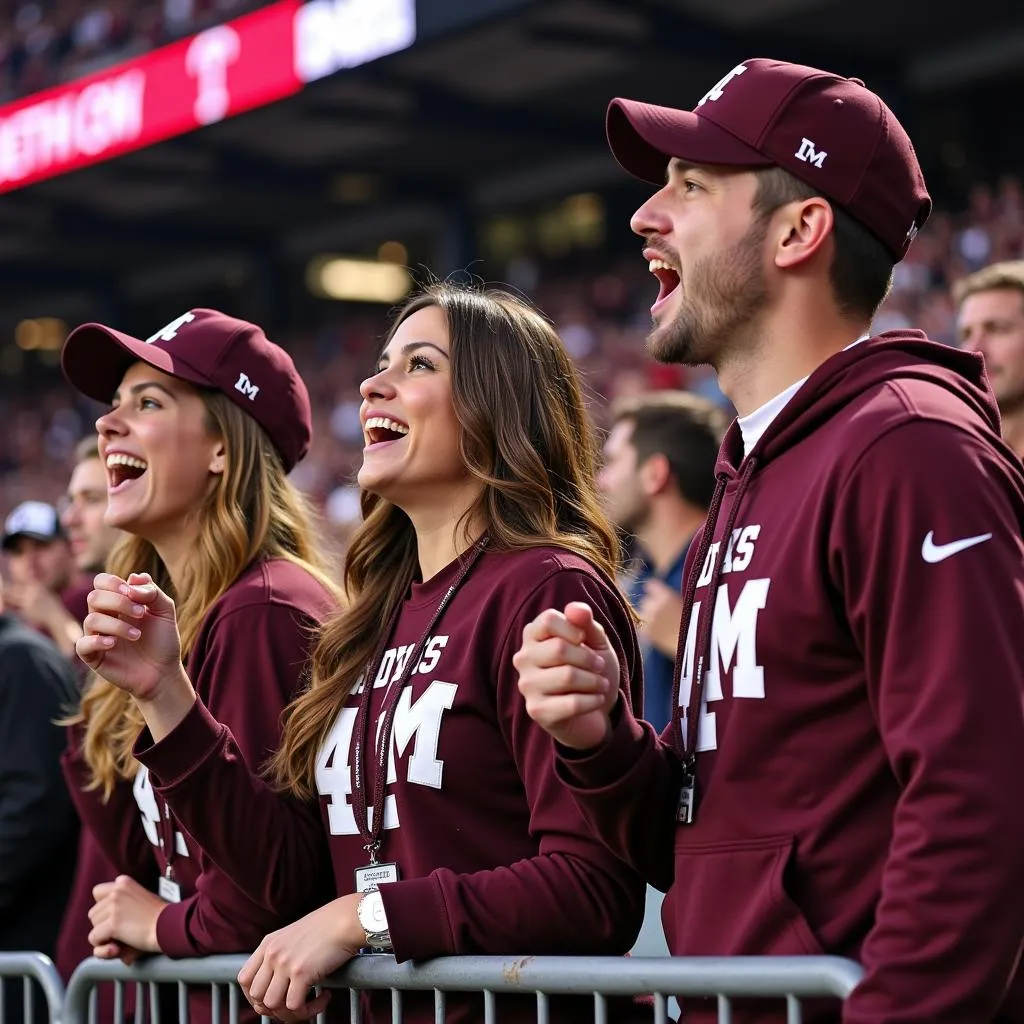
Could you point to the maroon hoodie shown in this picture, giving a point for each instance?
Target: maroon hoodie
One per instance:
(861, 743)
(247, 662)
(494, 857)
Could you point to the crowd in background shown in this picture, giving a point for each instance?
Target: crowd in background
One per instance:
(601, 312)
(46, 42)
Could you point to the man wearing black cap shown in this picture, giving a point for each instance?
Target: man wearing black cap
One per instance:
(41, 587)
(37, 821)
(840, 774)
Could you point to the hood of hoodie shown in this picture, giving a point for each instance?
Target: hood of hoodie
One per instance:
(894, 355)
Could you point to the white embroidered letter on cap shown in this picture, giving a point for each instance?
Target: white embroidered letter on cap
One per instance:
(247, 387)
(809, 154)
(715, 92)
(170, 332)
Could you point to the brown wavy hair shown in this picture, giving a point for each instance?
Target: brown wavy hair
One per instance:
(253, 512)
(525, 436)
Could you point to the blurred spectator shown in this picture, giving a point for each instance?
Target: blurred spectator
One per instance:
(46, 42)
(90, 538)
(656, 482)
(990, 320)
(42, 587)
(38, 824)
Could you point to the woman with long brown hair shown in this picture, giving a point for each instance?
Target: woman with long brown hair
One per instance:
(208, 416)
(448, 830)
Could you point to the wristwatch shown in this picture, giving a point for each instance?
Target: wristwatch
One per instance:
(374, 921)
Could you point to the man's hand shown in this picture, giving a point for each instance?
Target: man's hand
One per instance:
(660, 613)
(569, 675)
(124, 915)
(42, 608)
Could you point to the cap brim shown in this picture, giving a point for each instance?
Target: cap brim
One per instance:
(644, 137)
(95, 358)
(43, 538)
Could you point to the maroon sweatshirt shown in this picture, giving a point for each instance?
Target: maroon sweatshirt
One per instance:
(248, 661)
(494, 857)
(861, 743)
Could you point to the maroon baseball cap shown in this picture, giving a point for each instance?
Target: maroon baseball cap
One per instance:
(213, 350)
(831, 132)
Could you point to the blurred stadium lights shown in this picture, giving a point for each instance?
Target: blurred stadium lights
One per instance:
(356, 279)
(393, 252)
(41, 334)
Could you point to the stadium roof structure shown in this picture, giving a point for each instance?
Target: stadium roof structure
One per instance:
(497, 102)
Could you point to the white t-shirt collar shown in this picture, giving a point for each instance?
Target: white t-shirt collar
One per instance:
(754, 424)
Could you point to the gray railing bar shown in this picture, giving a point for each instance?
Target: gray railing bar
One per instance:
(39, 968)
(738, 977)
(660, 1009)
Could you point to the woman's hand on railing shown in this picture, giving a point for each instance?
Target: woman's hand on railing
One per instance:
(277, 979)
(123, 920)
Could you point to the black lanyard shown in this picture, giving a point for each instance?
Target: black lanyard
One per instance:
(361, 729)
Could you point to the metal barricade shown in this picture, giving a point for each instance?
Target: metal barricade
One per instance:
(724, 978)
(34, 969)
(219, 972)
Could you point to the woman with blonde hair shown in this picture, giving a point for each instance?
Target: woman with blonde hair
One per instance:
(208, 416)
(448, 831)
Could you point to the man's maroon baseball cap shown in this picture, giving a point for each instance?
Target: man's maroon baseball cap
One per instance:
(213, 350)
(831, 132)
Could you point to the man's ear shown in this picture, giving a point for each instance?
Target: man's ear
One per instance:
(655, 474)
(801, 229)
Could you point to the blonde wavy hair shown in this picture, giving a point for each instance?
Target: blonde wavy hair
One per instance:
(525, 436)
(253, 512)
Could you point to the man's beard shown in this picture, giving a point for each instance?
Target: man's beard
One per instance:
(724, 293)
(1010, 399)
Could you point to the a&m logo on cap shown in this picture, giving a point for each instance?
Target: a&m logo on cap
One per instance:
(716, 91)
(170, 332)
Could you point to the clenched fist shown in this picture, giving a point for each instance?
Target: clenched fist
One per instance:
(569, 675)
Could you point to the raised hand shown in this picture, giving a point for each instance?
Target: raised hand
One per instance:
(131, 639)
(131, 636)
(660, 611)
(569, 675)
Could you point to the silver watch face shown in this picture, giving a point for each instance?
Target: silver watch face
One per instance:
(371, 914)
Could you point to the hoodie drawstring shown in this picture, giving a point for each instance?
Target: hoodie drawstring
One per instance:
(705, 619)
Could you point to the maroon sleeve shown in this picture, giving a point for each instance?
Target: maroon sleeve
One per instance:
(212, 759)
(115, 824)
(941, 627)
(573, 896)
(628, 788)
(628, 791)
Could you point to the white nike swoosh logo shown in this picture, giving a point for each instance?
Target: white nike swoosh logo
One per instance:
(932, 552)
